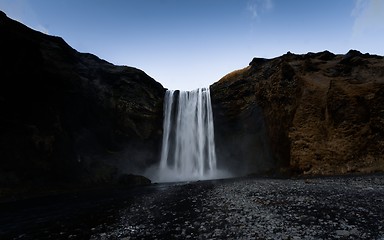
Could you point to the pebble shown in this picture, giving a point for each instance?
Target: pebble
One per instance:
(259, 208)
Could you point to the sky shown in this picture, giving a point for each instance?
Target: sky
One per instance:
(187, 44)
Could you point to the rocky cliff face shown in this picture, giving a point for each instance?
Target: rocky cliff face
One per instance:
(317, 113)
(70, 117)
(67, 116)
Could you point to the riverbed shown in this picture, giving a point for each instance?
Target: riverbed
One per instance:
(338, 207)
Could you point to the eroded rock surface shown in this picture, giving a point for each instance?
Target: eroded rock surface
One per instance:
(317, 113)
(70, 117)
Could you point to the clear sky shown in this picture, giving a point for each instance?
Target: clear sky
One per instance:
(186, 44)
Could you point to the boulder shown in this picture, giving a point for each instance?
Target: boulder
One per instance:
(131, 180)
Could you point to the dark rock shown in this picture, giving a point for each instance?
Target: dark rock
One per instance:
(310, 66)
(257, 61)
(133, 180)
(70, 117)
(3, 15)
(352, 53)
(316, 114)
(326, 56)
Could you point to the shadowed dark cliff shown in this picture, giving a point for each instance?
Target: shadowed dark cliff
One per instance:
(321, 113)
(71, 118)
(67, 116)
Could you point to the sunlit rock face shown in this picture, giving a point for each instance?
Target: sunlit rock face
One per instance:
(71, 117)
(317, 113)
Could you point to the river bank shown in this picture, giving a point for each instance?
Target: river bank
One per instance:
(345, 207)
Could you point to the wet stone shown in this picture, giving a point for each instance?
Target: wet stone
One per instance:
(247, 208)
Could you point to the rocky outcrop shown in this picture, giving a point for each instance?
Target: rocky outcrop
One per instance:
(67, 116)
(317, 113)
(72, 118)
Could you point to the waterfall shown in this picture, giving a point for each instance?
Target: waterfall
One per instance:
(188, 149)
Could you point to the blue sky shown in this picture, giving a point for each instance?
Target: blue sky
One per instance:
(190, 44)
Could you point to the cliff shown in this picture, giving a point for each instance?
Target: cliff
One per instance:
(70, 117)
(317, 113)
(74, 119)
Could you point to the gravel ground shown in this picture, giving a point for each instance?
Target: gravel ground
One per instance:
(348, 207)
(254, 208)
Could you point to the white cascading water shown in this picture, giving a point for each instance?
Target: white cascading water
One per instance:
(188, 150)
